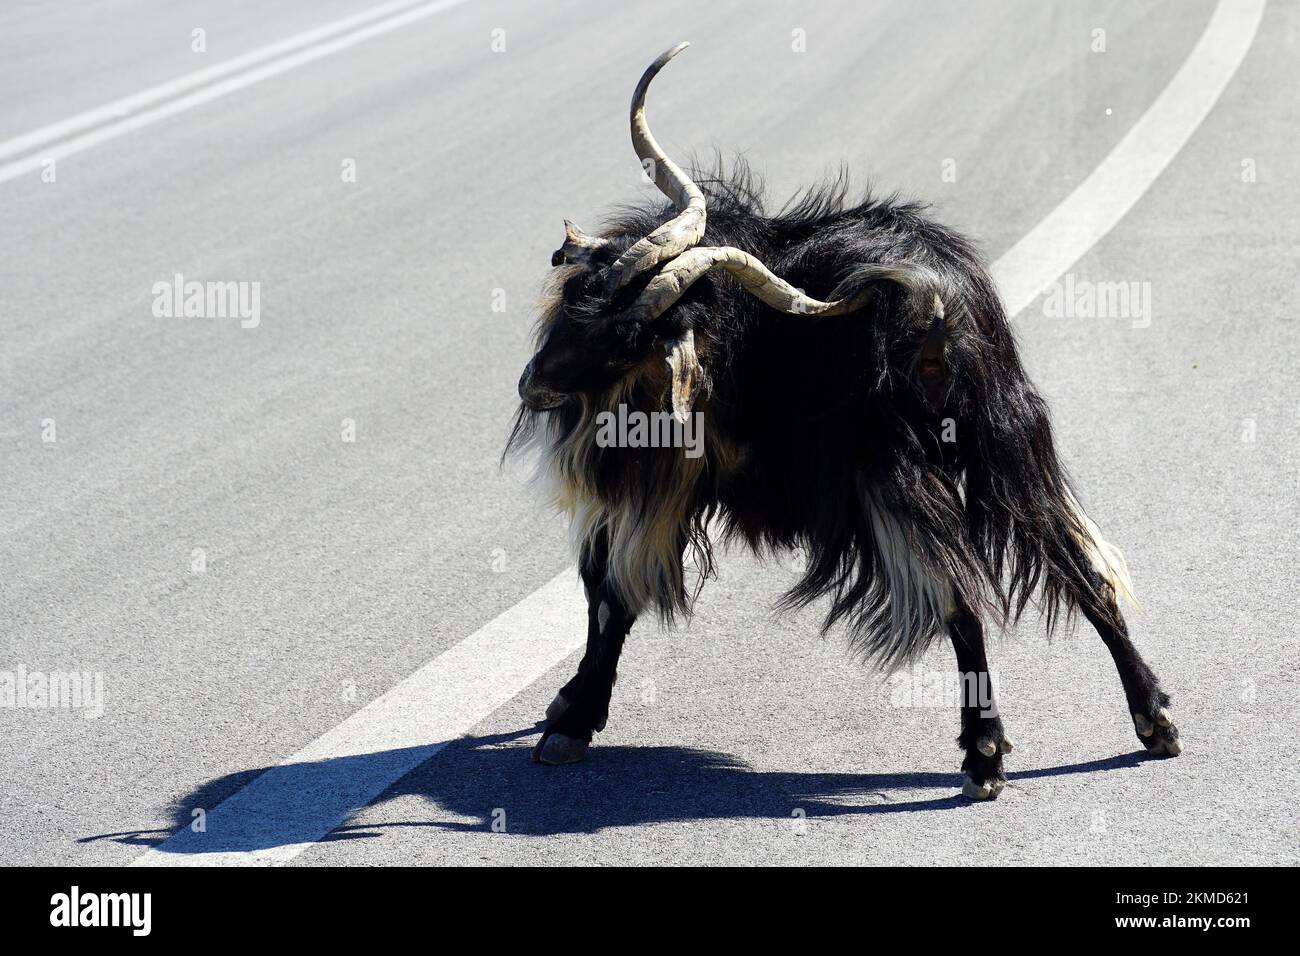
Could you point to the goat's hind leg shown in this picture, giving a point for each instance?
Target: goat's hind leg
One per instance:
(982, 736)
(1147, 702)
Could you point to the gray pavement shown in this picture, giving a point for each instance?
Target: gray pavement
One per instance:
(333, 569)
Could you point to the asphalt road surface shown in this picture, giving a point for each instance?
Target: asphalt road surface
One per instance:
(248, 535)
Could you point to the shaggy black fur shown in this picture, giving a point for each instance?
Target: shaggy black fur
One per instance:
(808, 418)
(823, 406)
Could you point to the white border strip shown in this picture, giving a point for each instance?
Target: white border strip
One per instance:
(291, 807)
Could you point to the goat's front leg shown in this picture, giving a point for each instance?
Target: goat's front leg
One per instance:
(982, 736)
(581, 707)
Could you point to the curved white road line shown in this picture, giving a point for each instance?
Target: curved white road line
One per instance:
(292, 806)
(1121, 179)
(128, 114)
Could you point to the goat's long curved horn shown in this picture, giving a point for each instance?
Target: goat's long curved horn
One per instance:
(677, 276)
(685, 229)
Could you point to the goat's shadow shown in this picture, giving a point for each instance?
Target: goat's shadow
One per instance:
(470, 777)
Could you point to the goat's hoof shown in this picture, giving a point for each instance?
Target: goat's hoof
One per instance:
(557, 707)
(1158, 733)
(555, 749)
(984, 744)
(988, 790)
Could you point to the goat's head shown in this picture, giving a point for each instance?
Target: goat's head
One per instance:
(596, 329)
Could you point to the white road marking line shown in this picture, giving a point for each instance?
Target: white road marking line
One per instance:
(163, 91)
(121, 116)
(1121, 179)
(292, 806)
(287, 809)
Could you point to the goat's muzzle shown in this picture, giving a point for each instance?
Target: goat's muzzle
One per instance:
(535, 395)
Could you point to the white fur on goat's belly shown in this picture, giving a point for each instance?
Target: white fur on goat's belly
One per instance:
(920, 602)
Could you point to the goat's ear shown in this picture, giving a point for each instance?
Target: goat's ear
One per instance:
(688, 375)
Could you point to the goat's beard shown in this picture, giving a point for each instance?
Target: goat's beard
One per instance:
(645, 514)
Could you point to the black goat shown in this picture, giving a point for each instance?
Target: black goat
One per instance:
(890, 432)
